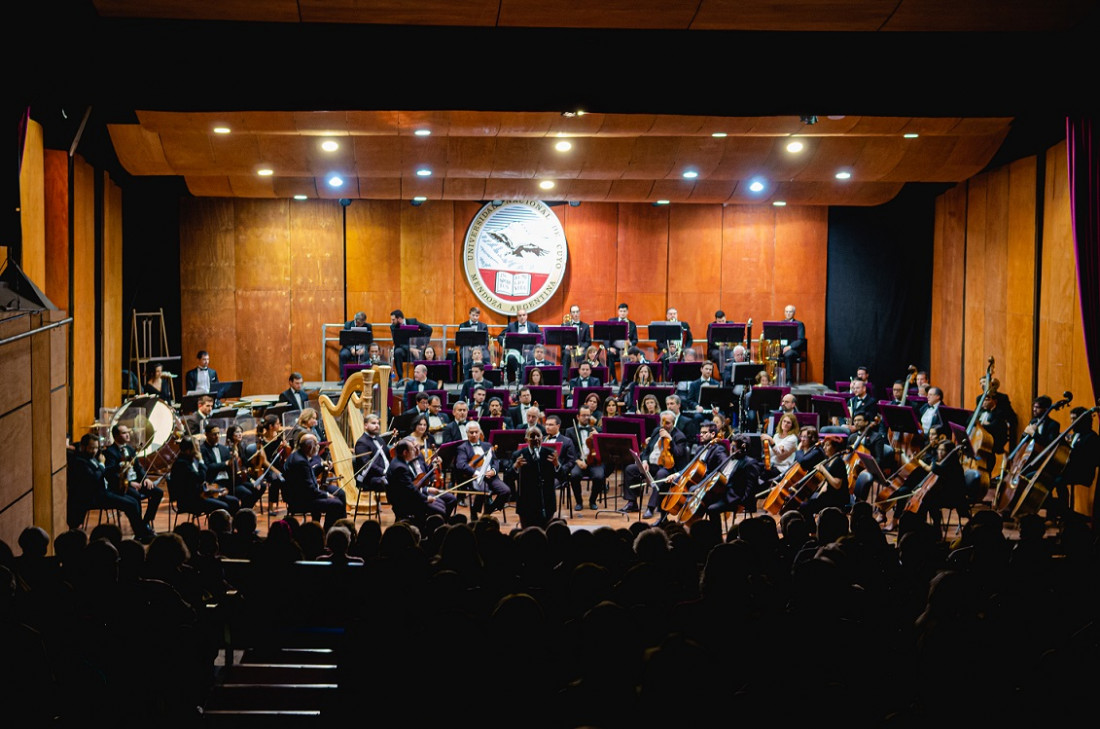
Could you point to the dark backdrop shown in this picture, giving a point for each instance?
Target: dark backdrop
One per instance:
(878, 301)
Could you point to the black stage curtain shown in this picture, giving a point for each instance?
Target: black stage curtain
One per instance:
(878, 302)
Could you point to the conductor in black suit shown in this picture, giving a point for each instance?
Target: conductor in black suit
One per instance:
(537, 470)
(401, 353)
(794, 347)
(519, 326)
(294, 395)
(202, 378)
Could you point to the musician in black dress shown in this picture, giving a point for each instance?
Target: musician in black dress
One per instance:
(158, 383)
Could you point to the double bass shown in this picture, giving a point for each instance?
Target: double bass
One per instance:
(1049, 465)
(981, 440)
(902, 443)
(1019, 458)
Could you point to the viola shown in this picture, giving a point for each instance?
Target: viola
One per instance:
(666, 460)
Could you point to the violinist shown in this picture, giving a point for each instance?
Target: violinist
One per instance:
(612, 407)
(239, 453)
(409, 499)
(584, 464)
(88, 489)
(419, 433)
(537, 469)
(666, 448)
(592, 402)
(477, 464)
(268, 460)
(126, 476)
(833, 475)
(783, 444)
(220, 468)
(371, 448)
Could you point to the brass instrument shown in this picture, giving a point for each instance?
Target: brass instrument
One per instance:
(576, 352)
(770, 351)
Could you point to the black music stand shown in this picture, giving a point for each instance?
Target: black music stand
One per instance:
(742, 376)
(664, 331)
(957, 416)
(561, 337)
(440, 370)
(660, 391)
(494, 376)
(356, 336)
(581, 393)
(524, 343)
(625, 425)
(829, 407)
(755, 448)
(630, 368)
(650, 421)
(229, 390)
(730, 332)
(567, 416)
(547, 396)
(489, 423)
(609, 332)
(784, 331)
(615, 452)
(763, 400)
(720, 397)
(507, 442)
(900, 418)
(683, 371)
(504, 395)
(551, 374)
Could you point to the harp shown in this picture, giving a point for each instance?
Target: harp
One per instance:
(343, 422)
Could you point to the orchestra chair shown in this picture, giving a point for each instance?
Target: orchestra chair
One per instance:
(174, 511)
(104, 512)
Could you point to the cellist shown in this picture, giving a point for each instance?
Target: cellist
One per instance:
(833, 476)
(666, 443)
(711, 455)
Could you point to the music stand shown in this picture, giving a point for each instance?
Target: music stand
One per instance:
(581, 394)
(350, 367)
(956, 416)
(725, 333)
(440, 370)
(609, 332)
(721, 397)
(470, 338)
(630, 368)
(624, 425)
(504, 395)
(755, 447)
(489, 423)
(600, 373)
(561, 337)
(547, 396)
(615, 451)
(683, 371)
(660, 391)
(650, 421)
(784, 331)
(551, 374)
(664, 331)
(567, 416)
(495, 377)
(403, 422)
(829, 407)
(744, 373)
(900, 418)
(229, 390)
(190, 403)
(507, 442)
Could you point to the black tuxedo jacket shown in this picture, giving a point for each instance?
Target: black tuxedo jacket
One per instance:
(799, 342)
(288, 396)
(113, 455)
(301, 482)
(679, 446)
(191, 379)
(213, 467)
(405, 498)
(536, 481)
(365, 448)
(414, 386)
(584, 333)
(513, 327)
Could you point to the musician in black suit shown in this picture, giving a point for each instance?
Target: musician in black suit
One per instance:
(300, 489)
(372, 449)
(537, 469)
(474, 322)
(420, 381)
(188, 488)
(742, 482)
(861, 402)
(930, 416)
(476, 463)
(567, 456)
(584, 378)
(518, 413)
(712, 454)
(357, 353)
(1044, 430)
(294, 395)
(671, 349)
(202, 378)
(794, 347)
(695, 388)
(520, 325)
(477, 379)
(219, 468)
(615, 349)
(584, 334)
(401, 352)
(650, 458)
(408, 500)
(538, 357)
(196, 421)
(87, 487)
(1084, 459)
(126, 476)
(456, 429)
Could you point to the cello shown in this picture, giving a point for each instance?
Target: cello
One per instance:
(786, 487)
(1050, 464)
(1021, 455)
(851, 461)
(712, 485)
(916, 499)
(691, 476)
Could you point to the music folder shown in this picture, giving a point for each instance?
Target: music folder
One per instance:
(744, 373)
(784, 331)
(609, 331)
(471, 338)
(563, 336)
(720, 397)
(725, 333)
(900, 418)
(357, 335)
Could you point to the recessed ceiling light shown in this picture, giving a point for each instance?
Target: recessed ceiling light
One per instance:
(420, 198)
(547, 184)
(265, 172)
(335, 181)
(301, 197)
(329, 146)
(756, 186)
(795, 147)
(779, 203)
(719, 134)
(563, 146)
(661, 202)
(221, 130)
(843, 175)
(423, 172)
(423, 132)
(690, 175)
(911, 135)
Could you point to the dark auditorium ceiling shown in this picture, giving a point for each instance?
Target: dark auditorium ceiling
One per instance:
(495, 82)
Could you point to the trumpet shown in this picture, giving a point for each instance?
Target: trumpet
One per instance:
(576, 352)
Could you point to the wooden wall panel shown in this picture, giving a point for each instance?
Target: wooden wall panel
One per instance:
(641, 277)
(373, 258)
(208, 312)
(801, 261)
(1017, 366)
(263, 350)
(948, 277)
(317, 282)
(83, 299)
(694, 270)
(262, 245)
(16, 475)
(748, 264)
(464, 213)
(110, 325)
(57, 227)
(32, 206)
(427, 262)
(975, 353)
(592, 232)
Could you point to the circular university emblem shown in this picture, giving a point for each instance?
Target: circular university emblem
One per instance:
(515, 255)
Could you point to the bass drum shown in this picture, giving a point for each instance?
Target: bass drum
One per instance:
(151, 420)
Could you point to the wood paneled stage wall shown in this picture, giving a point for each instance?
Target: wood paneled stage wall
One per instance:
(1004, 265)
(259, 277)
